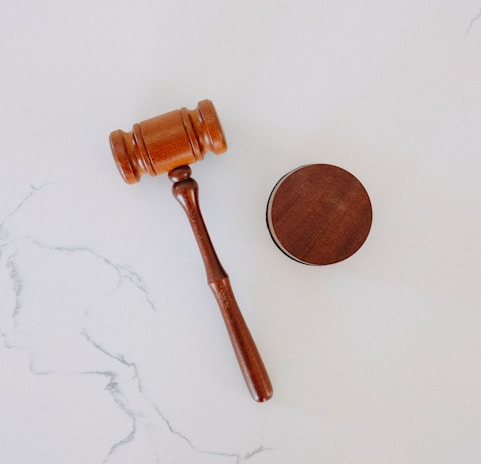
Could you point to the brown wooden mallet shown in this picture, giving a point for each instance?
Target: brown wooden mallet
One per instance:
(169, 143)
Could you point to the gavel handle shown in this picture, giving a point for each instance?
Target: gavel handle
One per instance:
(185, 190)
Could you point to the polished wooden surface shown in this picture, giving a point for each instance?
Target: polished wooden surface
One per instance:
(168, 143)
(159, 144)
(319, 214)
(185, 190)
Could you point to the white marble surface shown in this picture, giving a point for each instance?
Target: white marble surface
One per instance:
(112, 348)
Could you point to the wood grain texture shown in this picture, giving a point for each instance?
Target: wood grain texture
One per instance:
(158, 145)
(169, 143)
(185, 190)
(319, 214)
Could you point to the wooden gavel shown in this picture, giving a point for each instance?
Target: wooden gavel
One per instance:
(169, 143)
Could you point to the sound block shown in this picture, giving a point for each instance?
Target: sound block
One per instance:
(319, 214)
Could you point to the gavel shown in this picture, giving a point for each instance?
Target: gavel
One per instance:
(170, 143)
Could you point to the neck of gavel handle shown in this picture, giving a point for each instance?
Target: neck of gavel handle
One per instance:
(248, 357)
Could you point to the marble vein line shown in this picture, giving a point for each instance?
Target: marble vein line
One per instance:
(11, 277)
(189, 442)
(17, 285)
(13, 274)
(146, 404)
(239, 458)
(33, 190)
(117, 357)
(261, 449)
(114, 386)
(123, 271)
(114, 390)
(471, 24)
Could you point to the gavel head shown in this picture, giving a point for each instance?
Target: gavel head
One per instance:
(165, 142)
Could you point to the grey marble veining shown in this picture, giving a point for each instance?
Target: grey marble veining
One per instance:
(123, 379)
(473, 21)
(112, 349)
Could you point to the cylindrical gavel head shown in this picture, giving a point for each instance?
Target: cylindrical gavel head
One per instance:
(165, 142)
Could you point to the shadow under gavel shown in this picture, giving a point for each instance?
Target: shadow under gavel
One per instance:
(169, 143)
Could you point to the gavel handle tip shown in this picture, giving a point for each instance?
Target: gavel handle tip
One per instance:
(185, 190)
(265, 396)
(248, 357)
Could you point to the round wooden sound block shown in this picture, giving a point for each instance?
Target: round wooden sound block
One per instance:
(319, 214)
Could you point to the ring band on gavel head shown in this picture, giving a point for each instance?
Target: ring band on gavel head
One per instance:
(162, 143)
